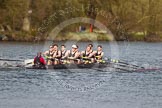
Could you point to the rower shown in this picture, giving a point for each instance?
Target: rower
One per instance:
(48, 52)
(74, 55)
(56, 54)
(39, 61)
(92, 53)
(86, 55)
(91, 46)
(97, 55)
(64, 54)
(48, 55)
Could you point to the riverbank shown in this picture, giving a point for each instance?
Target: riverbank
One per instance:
(78, 36)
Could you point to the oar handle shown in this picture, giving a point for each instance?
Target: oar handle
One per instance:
(86, 58)
(71, 58)
(46, 57)
(98, 56)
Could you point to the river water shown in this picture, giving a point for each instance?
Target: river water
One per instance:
(22, 88)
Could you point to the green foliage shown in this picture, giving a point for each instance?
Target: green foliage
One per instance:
(120, 16)
(2, 4)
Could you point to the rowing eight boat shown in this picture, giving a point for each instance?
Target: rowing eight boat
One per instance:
(107, 65)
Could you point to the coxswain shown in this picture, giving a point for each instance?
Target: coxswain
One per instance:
(56, 54)
(39, 61)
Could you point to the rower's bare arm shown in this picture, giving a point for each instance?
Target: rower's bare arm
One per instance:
(102, 54)
(92, 54)
(54, 55)
(59, 54)
(45, 53)
(77, 55)
(67, 53)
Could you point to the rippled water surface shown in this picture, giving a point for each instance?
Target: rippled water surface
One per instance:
(24, 88)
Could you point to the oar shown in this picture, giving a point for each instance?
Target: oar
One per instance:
(86, 58)
(118, 61)
(9, 60)
(71, 58)
(131, 64)
(47, 57)
(98, 56)
(124, 65)
(116, 69)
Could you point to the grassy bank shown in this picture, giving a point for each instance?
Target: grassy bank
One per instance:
(140, 36)
(83, 36)
(77, 36)
(20, 36)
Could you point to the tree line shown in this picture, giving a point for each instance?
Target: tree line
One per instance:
(123, 17)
